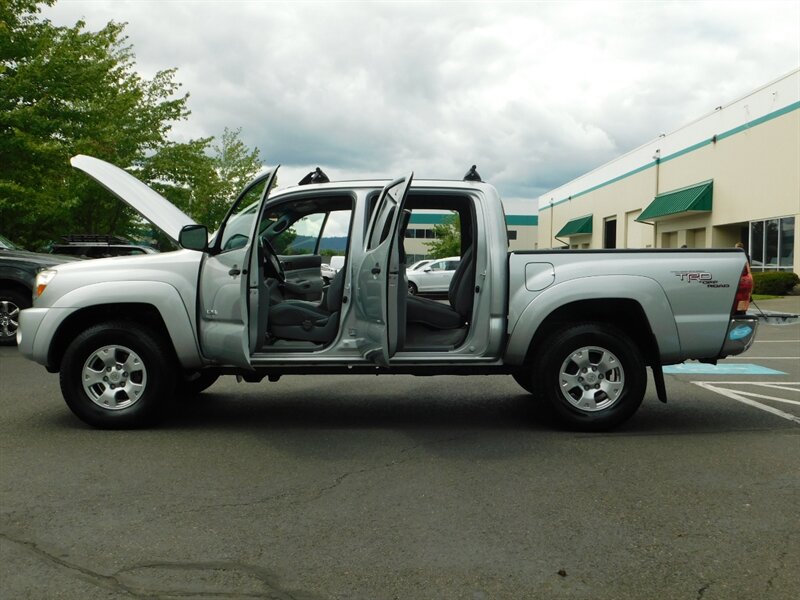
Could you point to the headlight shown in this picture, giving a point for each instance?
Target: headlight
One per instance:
(42, 279)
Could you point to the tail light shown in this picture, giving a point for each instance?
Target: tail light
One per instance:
(742, 301)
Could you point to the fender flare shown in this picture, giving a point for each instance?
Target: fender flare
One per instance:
(642, 290)
(162, 296)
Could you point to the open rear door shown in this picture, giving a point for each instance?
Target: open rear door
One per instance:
(378, 276)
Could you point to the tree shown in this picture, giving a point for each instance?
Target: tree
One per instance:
(447, 238)
(201, 179)
(67, 91)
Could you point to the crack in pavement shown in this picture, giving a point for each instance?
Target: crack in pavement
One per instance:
(321, 491)
(781, 566)
(114, 583)
(108, 582)
(702, 590)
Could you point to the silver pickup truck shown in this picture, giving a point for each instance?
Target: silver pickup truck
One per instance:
(576, 329)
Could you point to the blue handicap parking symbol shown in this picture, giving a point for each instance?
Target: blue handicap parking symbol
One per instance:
(721, 369)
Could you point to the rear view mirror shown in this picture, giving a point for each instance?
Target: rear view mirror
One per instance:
(194, 237)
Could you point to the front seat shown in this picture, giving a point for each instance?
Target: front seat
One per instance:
(306, 321)
(460, 294)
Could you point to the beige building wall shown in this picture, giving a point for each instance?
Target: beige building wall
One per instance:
(526, 239)
(754, 165)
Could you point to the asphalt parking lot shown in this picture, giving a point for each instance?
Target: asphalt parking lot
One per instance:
(409, 487)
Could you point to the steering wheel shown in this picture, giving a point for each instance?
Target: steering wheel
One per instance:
(272, 265)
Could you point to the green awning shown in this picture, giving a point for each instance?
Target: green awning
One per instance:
(578, 226)
(696, 198)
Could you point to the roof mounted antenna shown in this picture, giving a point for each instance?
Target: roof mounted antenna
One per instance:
(472, 175)
(316, 176)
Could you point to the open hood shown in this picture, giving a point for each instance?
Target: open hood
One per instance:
(144, 200)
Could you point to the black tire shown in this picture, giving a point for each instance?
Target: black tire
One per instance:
(412, 288)
(125, 357)
(11, 302)
(188, 389)
(590, 375)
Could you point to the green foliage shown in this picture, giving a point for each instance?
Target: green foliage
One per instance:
(777, 283)
(200, 179)
(447, 240)
(67, 91)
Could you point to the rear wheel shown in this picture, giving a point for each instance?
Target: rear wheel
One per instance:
(118, 375)
(591, 375)
(11, 302)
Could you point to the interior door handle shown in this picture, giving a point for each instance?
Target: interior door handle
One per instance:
(376, 270)
(234, 272)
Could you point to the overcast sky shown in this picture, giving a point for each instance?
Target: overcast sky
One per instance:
(535, 94)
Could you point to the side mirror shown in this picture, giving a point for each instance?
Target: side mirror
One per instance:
(426, 270)
(194, 237)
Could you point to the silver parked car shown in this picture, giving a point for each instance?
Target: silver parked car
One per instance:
(434, 277)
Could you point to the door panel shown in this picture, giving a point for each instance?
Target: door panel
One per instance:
(223, 314)
(230, 278)
(378, 276)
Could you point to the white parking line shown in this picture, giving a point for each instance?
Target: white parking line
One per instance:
(740, 396)
(773, 398)
(778, 386)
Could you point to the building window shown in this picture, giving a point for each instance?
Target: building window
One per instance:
(512, 234)
(772, 244)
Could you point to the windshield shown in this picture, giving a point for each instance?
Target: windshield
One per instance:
(6, 244)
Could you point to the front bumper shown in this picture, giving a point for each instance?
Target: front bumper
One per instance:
(29, 321)
(37, 328)
(740, 335)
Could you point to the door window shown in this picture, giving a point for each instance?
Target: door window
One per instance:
(323, 232)
(300, 237)
(238, 224)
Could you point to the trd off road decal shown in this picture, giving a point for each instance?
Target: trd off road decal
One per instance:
(707, 279)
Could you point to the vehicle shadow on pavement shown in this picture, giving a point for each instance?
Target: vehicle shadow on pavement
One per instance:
(214, 411)
(426, 408)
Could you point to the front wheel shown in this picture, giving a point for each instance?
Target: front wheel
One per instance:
(412, 288)
(118, 375)
(591, 375)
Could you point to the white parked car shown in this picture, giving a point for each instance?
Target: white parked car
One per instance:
(434, 277)
(419, 264)
(330, 270)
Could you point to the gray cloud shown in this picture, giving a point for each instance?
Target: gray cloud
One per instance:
(535, 94)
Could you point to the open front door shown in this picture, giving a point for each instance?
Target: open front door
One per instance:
(229, 279)
(378, 276)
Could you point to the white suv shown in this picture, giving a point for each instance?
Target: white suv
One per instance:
(434, 277)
